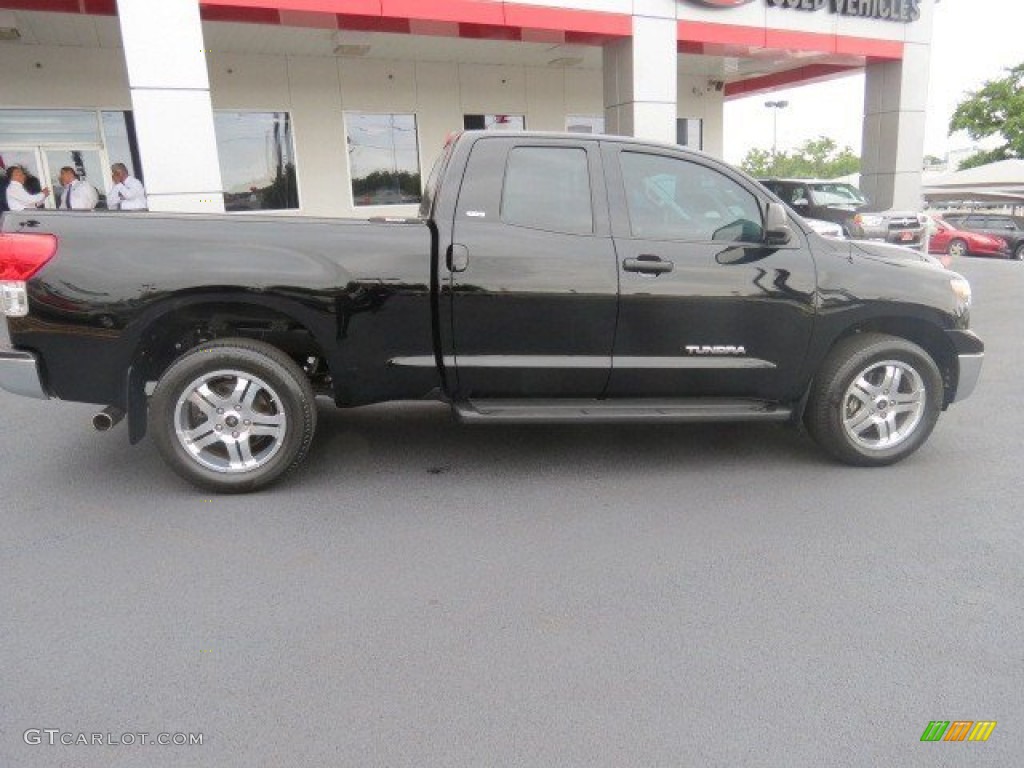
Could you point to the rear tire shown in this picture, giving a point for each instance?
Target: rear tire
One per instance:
(875, 400)
(233, 415)
(1019, 253)
(958, 248)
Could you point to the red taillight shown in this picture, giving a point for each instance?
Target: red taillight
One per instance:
(22, 255)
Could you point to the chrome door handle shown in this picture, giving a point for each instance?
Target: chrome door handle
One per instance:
(647, 264)
(458, 258)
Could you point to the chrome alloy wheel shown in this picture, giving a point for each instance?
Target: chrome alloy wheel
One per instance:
(958, 249)
(884, 405)
(230, 421)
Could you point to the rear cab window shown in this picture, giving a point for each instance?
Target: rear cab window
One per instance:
(528, 183)
(548, 188)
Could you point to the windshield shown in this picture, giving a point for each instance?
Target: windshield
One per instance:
(832, 193)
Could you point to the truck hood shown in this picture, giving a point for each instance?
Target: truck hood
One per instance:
(895, 254)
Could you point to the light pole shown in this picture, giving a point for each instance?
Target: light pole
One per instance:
(775, 106)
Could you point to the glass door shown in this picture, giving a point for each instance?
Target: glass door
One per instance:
(88, 163)
(29, 159)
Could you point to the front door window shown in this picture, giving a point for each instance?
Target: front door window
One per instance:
(671, 199)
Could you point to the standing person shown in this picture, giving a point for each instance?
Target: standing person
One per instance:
(18, 198)
(78, 195)
(127, 194)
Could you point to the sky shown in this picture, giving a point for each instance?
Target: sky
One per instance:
(974, 41)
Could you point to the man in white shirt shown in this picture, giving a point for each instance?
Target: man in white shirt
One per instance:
(78, 195)
(127, 194)
(18, 198)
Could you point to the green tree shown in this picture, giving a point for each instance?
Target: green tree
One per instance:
(816, 158)
(996, 110)
(759, 163)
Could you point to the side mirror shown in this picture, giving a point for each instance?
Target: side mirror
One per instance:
(776, 225)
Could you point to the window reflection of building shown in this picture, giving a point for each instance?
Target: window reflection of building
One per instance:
(584, 124)
(384, 160)
(119, 139)
(257, 160)
(494, 122)
(87, 140)
(690, 132)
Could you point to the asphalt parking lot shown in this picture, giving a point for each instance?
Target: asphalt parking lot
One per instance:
(425, 594)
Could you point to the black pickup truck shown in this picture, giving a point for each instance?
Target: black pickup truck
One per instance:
(548, 278)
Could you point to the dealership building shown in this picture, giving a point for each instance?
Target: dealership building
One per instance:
(340, 107)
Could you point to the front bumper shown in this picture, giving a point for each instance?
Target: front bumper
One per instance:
(909, 237)
(970, 372)
(20, 374)
(999, 253)
(970, 353)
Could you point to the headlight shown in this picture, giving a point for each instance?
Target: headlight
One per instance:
(869, 221)
(961, 289)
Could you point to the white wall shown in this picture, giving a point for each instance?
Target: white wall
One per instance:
(53, 76)
(170, 90)
(317, 91)
(698, 98)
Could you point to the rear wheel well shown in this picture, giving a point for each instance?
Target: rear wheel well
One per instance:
(172, 335)
(926, 335)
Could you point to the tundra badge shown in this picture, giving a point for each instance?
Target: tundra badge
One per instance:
(693, 349)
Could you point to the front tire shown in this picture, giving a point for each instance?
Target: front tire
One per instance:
(233, 415)
(957, 249)
(875, 400)
(1019, 253)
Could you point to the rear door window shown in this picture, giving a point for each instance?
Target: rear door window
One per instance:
(548, 188)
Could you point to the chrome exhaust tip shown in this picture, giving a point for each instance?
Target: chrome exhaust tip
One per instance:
(107, 419)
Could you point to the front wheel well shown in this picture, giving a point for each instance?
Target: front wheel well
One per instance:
(926, 335)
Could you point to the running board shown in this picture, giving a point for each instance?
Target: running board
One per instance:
(557, 411)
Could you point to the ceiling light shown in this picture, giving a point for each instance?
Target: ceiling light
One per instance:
(351, 50)
(9, 26)
(352, 43)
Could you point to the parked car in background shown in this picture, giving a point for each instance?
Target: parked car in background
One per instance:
(826, 228)
(845, 205)
(1001, 225)
(948, 240)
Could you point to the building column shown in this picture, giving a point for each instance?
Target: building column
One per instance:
(170, 89)
(640, 88)
(895, 100)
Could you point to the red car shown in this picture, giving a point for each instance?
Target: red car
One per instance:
(949, 240)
